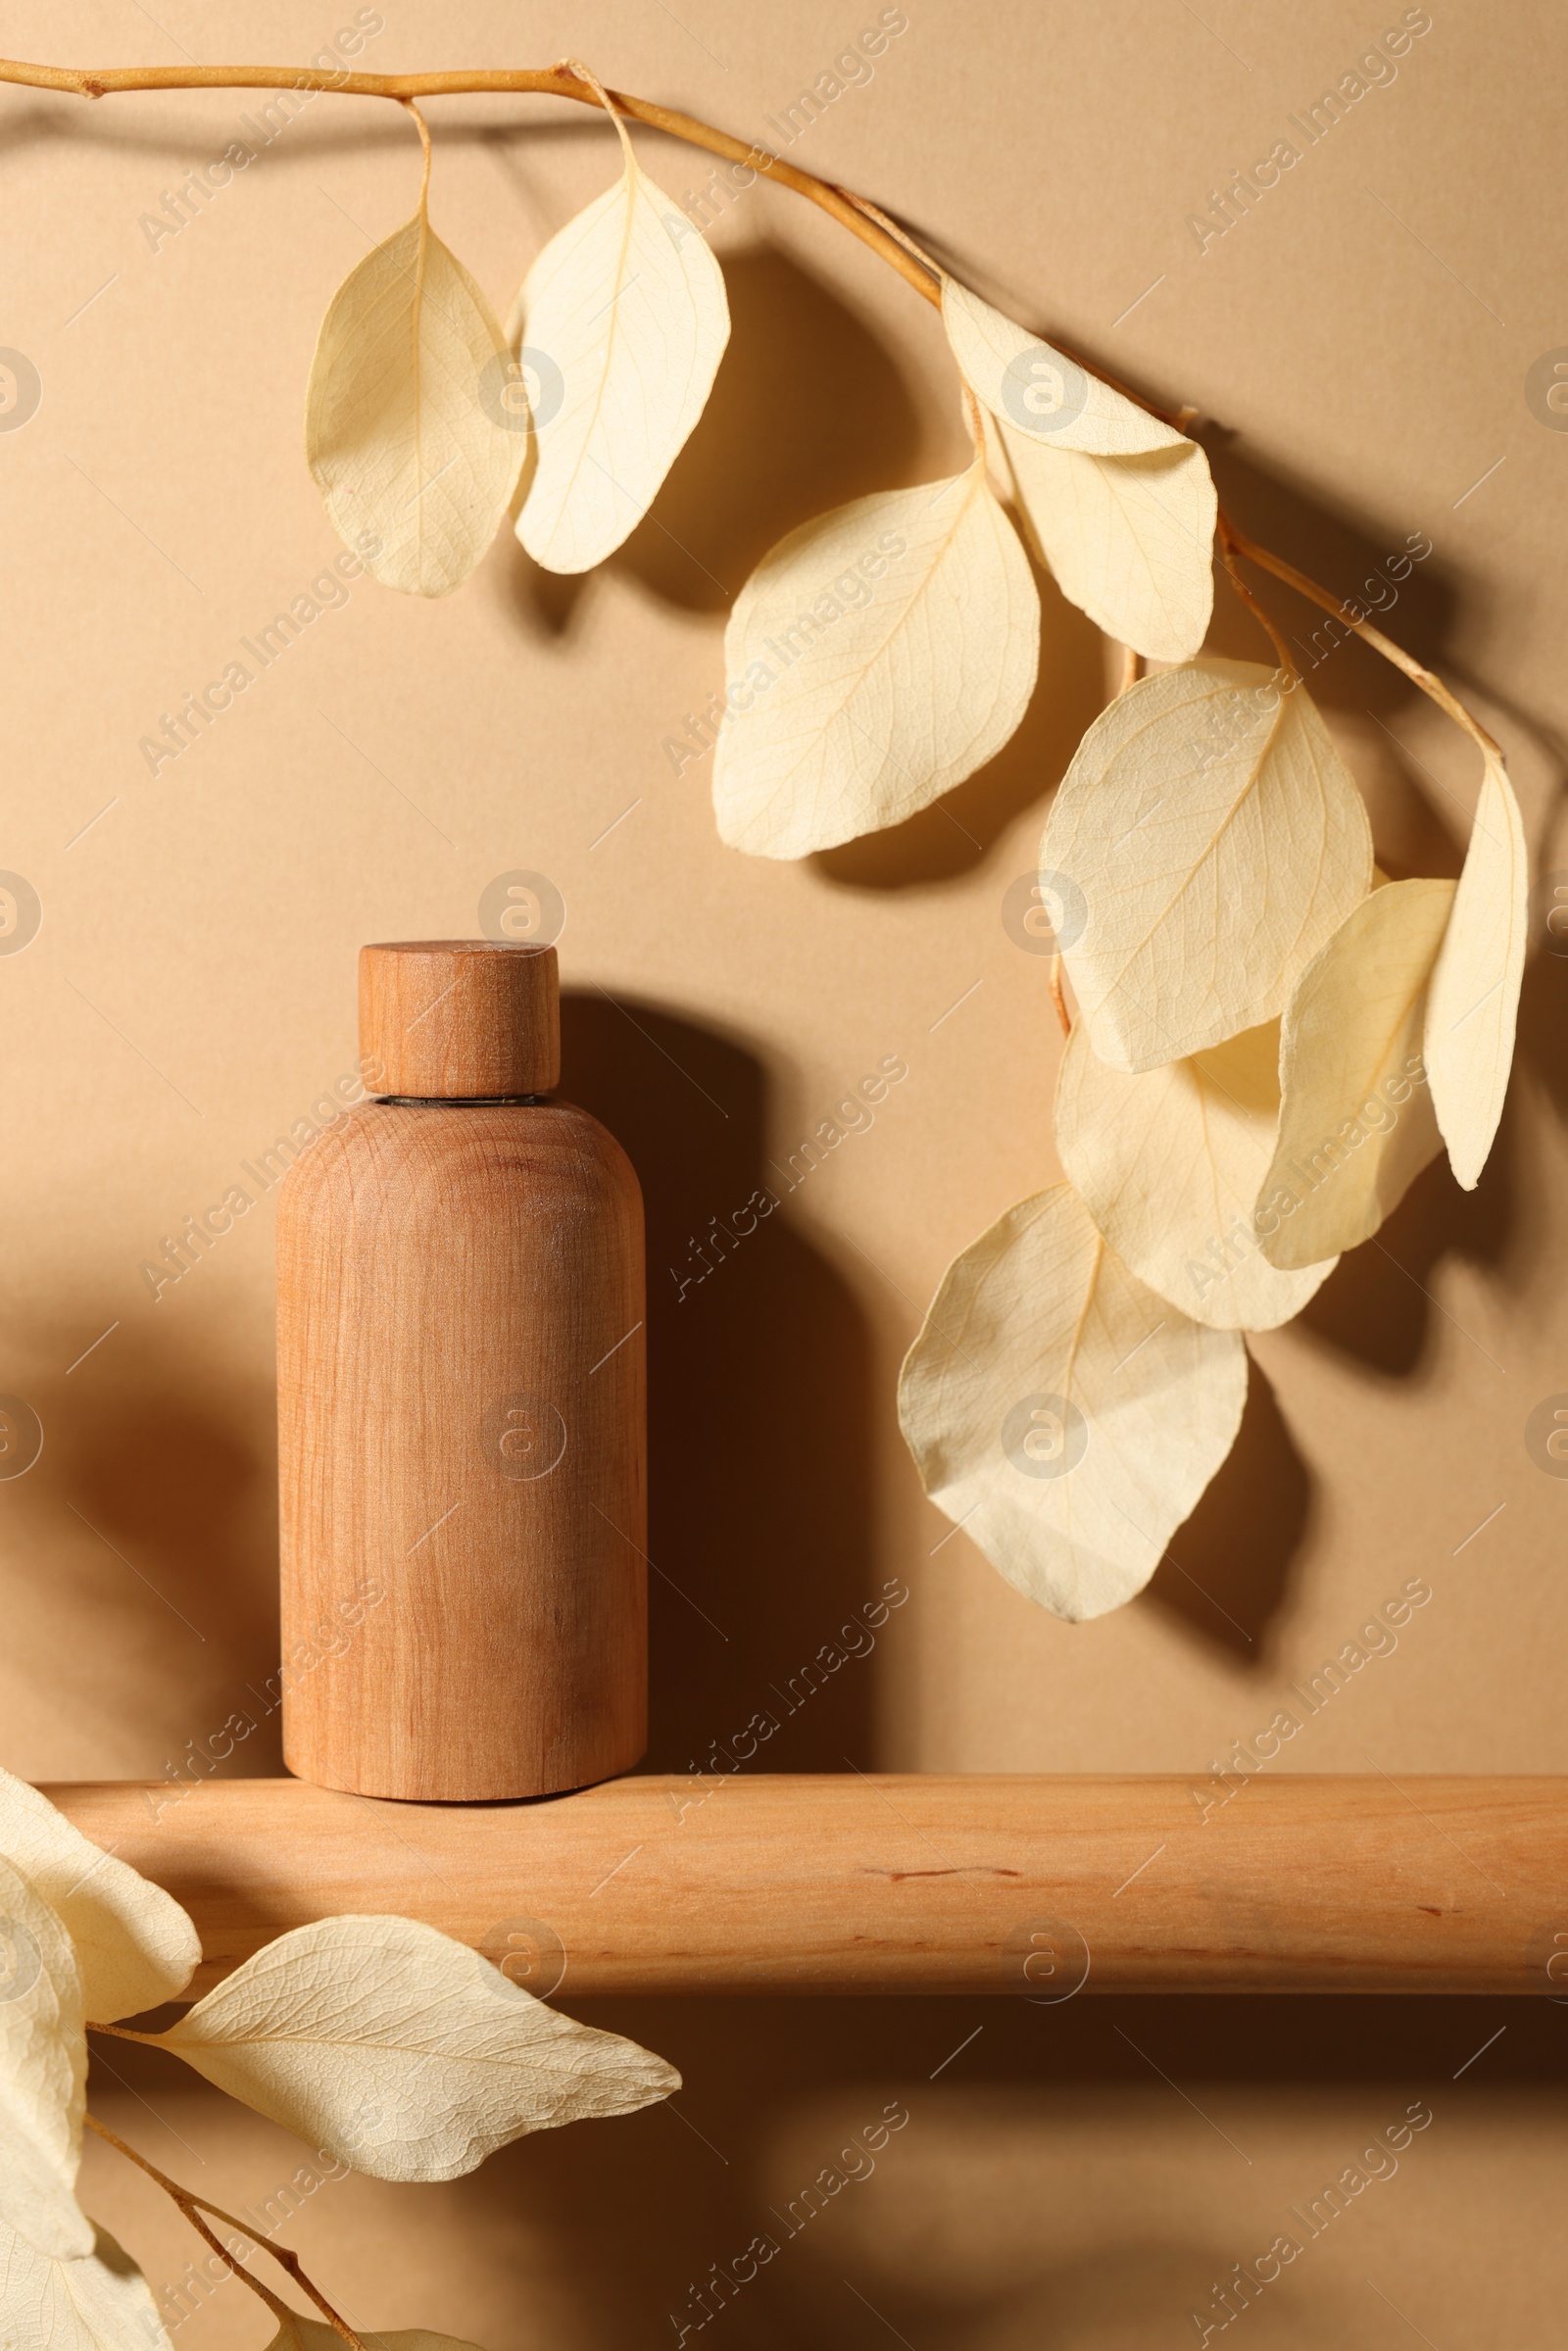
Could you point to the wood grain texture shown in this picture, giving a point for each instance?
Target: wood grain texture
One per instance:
(445, 1018)
(862, 1883)
(461, 1434)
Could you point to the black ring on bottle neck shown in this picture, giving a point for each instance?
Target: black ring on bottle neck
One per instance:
(455, 1102)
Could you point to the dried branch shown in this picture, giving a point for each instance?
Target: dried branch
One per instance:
(193, 2207)
(857, 213)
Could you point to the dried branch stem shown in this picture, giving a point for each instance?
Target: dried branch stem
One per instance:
(553, 81)
(857, 213)
(1056, 996)
(193, 2207)
(1234, 542)
(1227, 554)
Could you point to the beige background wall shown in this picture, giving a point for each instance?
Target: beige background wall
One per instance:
(1360, 344)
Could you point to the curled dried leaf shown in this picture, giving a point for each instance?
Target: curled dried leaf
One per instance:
(97, 2302)
(1356, 1123)
(43, 2074)
(1217, 840)
(402, 2051)
(1168, 1164)
(875, 658)
(1473, 1004)
(134, 1944)
(624, 320)
(1130, 540)
(410, 425)
(1061, 1412)
(1037, 390)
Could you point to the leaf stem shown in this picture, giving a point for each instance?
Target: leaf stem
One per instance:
(1227, 552)
(1234, 542)
(425, 141)
(856, 213)
(574, 65)
(1056, 996)
(193, 2206)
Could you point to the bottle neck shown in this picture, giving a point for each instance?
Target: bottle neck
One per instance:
(456, 1101)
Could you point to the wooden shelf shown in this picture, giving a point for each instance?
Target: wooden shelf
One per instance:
(862, 1883)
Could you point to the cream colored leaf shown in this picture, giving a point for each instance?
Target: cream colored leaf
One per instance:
(1037, 390)
(1168, 1164)
(876, 657)
(1061, 1412)
(408, 431)
(625, 319)
(1218, 840)
(314, 2335)
(1356, 1124)
(134, 1946)
(43, 2074)
(1130, 540)
(402, 2051)
(100, 2302)
(1474, 1001)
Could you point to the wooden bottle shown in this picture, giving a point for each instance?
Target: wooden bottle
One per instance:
(460, 1404)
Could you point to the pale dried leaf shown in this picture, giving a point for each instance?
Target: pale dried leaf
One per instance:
(134, 1946)
(1474, 1001)
(403, 2052)
(314, 2335)
(1029, 384)
(1356, 1124)
(100, 2302)
(1218, 840)
(43, 2074)
(1169, 1165)
(1130, 540)
(407, 427)
(876, 657)
(1061, 1413)
(626, 307)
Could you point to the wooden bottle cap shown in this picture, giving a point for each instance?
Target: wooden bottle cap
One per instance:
(460, 1019)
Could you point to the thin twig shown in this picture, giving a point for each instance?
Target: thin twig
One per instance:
(1129, 669)
(1227, 553)
(554, 81)
(895, 228)
(193, 2206)
(1416, 671)
(1056, 997)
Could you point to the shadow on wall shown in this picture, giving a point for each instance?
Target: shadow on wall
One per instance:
(152, 1512)
(957, 832)
(1227, 1575)
(1051, 2184)
(1377, 1306)
(758, 1371)
(807, 411)
(1049, 2188)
